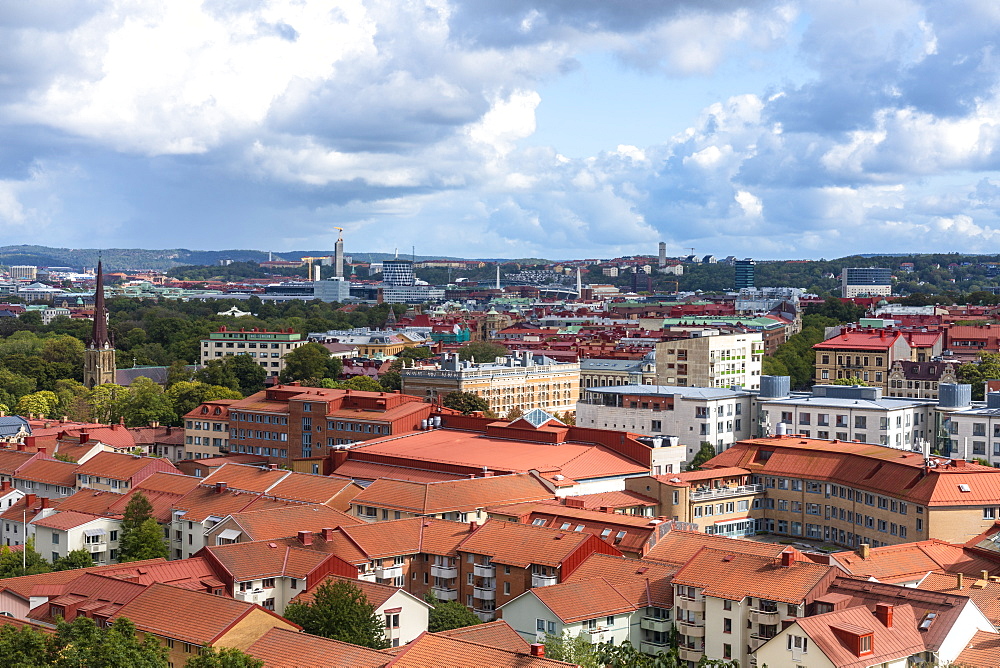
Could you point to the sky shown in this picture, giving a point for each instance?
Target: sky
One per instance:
(503, 128)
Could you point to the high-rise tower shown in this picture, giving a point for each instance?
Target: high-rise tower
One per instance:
(99, 357)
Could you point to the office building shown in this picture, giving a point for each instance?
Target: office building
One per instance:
(267, 348)
(744, 273)
(711, 359)
(865, 282)
(23, 272)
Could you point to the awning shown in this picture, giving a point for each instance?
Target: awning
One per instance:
(230, 534)
(94, 532)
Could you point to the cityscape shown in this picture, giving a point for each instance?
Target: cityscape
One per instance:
(526, 334)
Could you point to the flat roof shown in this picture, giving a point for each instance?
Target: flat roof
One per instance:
(667, 390)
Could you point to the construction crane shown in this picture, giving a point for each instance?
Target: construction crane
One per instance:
(340, 233)
(309, 261)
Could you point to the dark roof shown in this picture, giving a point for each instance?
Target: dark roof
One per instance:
(99, 334)
(10, 425)
(923, 370)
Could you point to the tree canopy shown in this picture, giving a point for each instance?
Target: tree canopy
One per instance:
(446, 615)
(141, 534)
(341, 611)
(466, 402)
(482, 351)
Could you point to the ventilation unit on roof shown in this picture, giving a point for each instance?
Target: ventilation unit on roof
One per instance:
(964, 488)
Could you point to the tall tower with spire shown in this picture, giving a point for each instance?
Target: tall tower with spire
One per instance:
(99, 357)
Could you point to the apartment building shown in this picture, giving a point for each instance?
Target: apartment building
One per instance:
(711, 359)
(63, 532)
(596, 372)
(691, 415)
(852, 413)
(268, 349)
(866, 354)
(853, 493)
(865, 282)
(522, 380)
(114, 472)
(920, 380)
(287, 422)
(206, 430)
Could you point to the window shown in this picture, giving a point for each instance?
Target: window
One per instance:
(268, 583)
(727, 625)
(798, 643)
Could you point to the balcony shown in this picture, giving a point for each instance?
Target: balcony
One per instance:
(685, 603)
(445, 593)
(693, 629)
(690, 654)
(770, 617)
(758, 639)
(250, 595)
(598, 635)
(723, 492)
(543, 580)
(481, 571)
(486, 615)
(94, 548)
(389, 572)
(653, 648)
(654, 624)
(444, 572)
(484, 594)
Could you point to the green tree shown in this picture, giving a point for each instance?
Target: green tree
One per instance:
(249, 374)
(987, 367)
(107, 402)
(391, 381)
(178, 372)
(217, 372)
(307, 362)
(145, 542)
(83, 643)
(446, 615)
(44, 403)
(853, 380)
(145, 403)
(482, 351)
(466, 402)
(341, 611)
(186, 395)
(225, 657)
(362, 383)
(706, 452)
(75, 559)
(25, 647)
(23, 562)
(571, 649)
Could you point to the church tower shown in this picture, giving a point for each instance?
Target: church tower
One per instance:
(99, 357)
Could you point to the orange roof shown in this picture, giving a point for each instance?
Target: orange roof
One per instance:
(410, 536)
(869, 340)
(454, 495)
(25, 585)
(91, 501)
(984, 593)
(205, 617)
(617, 499)
(282, 648)
(983, 651)
(377, 594)
(735, 576)
(281, 522)
(49, 471)
(641, 581)
(687, 478)
(430, 649)
(909, 561)
(896, 473)
(96, 592)
(173, 483)
(308, 488)
(448, 446)
(249, 561)
(246, 478)
(578, 600)
(202, 502)
(521, 545)
(119, 466)
(495, 634)
(61, 521)
(901, 641)
(679, 545)
(629, 533)
(360, 470)
(190, 573)
(11, 460)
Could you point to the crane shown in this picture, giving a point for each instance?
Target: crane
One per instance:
(340, 233)
(309, 261)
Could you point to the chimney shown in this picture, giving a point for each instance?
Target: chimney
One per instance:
(42, 450)
(84, 437)
(21, 446)
(984, 575)
(865, 550)
(220, 487)
(169, 429)
(5, 486)
(959, 581)
(472, 526)
(787, 558)
(272, 466)
(328, 533)
(537, 649)
(29, 500)
(306, 537)
(45, 502)
(785, 623)
(883, 612)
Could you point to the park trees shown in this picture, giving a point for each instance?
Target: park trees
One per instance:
(341, 611)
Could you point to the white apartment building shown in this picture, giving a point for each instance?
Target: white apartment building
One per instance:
(846, 413)
(523, 380)
(58, 534)
(268, 349)
(611, 373)
(975, 431)
(711, 359)
(691, 415)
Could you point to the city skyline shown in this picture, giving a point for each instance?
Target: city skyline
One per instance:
(503, 129)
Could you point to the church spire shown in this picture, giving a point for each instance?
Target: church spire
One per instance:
(99, 335)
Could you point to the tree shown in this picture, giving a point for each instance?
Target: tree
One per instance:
(446, 615)
(75, 559)
(482, 351)
(83, 643)
(25, 647)
(706, 452)
(466, 402)
(178, 372)
(307, 362)
(107, 402)
(186, 395)
(44, 403)
(146, 542)
(514, 413)
(572, 649)
(362, 383)
(141, 535)
(341, 611)
(225, 657)
(24, 562)
(146, 403)
(853, 380)
(249, 374)
(217, 372)
(391, 381)
(977, 373)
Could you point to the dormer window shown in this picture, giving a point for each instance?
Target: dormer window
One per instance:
(865, 644)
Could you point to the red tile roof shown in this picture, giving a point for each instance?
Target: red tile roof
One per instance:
(119, 466)
(617, 499)
(899, 642)
(984, 593)
(495, 634)
(377, 594)
(49, 471)
(679, 545)
(26, 586)
(869, 340)
(360, 470)
(578, 600)
(282, 522)
(173, 483)
(607, 526)
(96, 593)
(281, 648)
(202, 502)
(429, 498)
(912, 561)
(983, 651)
(246, 478)
(521, 545)
(308, 488)
(430, 649)
(896, 473)
(204, 620)
(63, 521)
(735, 576)
(191, 573)
(641, 581)
(91, 501)
(11, 460)
(260, 559)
